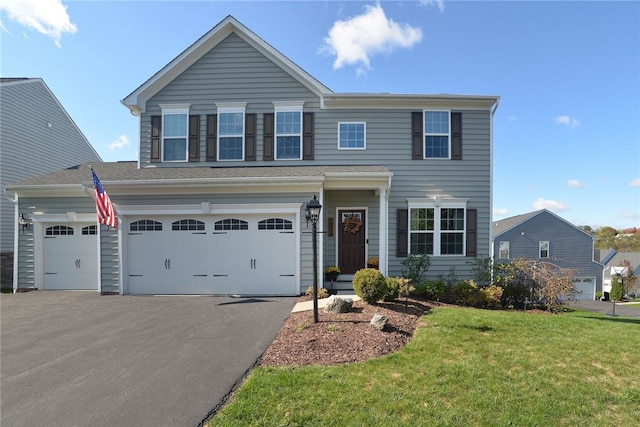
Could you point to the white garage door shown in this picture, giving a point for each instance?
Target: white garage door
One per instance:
(585, 287)
(70, 254)
(220, 255)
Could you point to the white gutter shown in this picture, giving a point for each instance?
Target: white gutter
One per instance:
(494, 107)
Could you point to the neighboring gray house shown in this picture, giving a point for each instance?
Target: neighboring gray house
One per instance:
(235, 139)
(544, 236)
(614, 259)
(37, 136)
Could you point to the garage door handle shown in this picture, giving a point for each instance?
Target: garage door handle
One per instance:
(200, 275)
(220, 275)
(50, 273)
(135, 275)
(287, 275)
(286, 232)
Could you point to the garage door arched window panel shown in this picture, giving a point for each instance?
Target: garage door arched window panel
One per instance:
(231, 224)
(187, 225)
(59, 230)
(275, 224)
(145, 225)
(90, 230)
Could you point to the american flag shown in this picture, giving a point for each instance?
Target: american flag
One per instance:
(106, 212)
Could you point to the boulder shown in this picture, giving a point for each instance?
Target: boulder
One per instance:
(379, 321)
(338, 305)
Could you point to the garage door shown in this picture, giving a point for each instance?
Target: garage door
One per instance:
(585, 287)
(218, 255)
(70, 254)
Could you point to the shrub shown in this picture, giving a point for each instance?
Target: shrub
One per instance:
(369, 284)
(414, 267)
(514, 294)
(322, 292)
(430, 289)
(467, 293)
(392, 289)
(492, 296)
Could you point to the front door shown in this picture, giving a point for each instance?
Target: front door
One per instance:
(351, 241)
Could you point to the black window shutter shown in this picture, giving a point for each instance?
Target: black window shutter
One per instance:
(307, 136)
(402, 232)
(417, 136)
(267, 137)
(456, 136)
(212, 135)
(472, 232)
(194, 138)
(156, 126)
(250, 137)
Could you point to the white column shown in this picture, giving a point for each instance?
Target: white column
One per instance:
(383, 232)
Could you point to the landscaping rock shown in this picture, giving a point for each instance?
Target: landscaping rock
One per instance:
(379, 322)
(338, 305)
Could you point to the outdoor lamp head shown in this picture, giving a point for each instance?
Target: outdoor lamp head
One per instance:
(313, 210)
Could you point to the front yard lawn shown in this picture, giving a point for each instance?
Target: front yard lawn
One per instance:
(464, 367)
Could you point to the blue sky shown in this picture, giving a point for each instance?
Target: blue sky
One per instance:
(566, 133)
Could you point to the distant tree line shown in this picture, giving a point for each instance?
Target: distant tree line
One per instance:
(625, 240)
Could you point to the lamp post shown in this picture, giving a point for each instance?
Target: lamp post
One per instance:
(618, 284)
(313, 215)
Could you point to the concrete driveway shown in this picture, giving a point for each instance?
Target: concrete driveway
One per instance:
(82, 359)
(606, 307)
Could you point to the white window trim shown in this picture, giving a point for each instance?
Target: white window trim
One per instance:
(425, 134)
(288, 107)
(364, 146)
(540, 243)
(508, 245)
(230, 107)
(168, 109)
(437, 203)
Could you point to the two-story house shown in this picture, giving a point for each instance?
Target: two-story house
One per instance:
(37, 136)
(234, 140)
(544, 236)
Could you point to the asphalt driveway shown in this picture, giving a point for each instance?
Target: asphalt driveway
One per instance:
(82, 359)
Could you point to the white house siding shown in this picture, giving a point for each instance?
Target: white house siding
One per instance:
(37, 136)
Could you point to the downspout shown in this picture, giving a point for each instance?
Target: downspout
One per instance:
(16, 239)
(494, 107)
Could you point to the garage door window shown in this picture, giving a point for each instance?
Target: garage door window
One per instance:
(188, 225)
(275, 224)
(231, 224)
(145, 225)
(59, 230)
(89, 230)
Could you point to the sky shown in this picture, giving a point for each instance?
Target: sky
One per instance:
(566, 134)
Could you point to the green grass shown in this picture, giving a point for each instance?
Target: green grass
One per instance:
(464, 367)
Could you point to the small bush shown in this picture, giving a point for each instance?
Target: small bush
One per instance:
(322, 292)
(492, 296)
(415, 266)
(392, 290)
(430, 289)
(369, 284)
(467, 293)
(514, 294)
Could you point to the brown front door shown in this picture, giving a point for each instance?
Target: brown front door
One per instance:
(351, 240)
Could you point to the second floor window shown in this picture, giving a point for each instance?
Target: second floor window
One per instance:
(544, 249)
(288, 134)
(231, 135)
(351, 136)
(174, 134)
(504, 250)
(436, 134)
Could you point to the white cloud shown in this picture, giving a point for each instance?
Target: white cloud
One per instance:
(568, 121)
(48, 17)
(629, 215)
(551, 205)
(121, 142)
(635, 182)
(574, 183)
(500, 211)
(355, 40)
(438, 3)
(511, 119)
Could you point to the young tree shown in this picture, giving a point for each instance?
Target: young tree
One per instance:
(550, 283)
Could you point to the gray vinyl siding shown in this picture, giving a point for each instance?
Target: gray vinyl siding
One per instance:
(231, 72)
(569, 247)
(37, 136)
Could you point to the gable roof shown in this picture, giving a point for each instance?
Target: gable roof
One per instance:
(136, 100)
(504, 225)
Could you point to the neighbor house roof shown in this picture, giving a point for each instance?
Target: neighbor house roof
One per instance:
(504, 225)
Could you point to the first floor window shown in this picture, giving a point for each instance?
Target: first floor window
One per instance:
(174, 134)
(351, 136)
(544, 249)
(504, 250)
(288, 135)
(437, 230)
